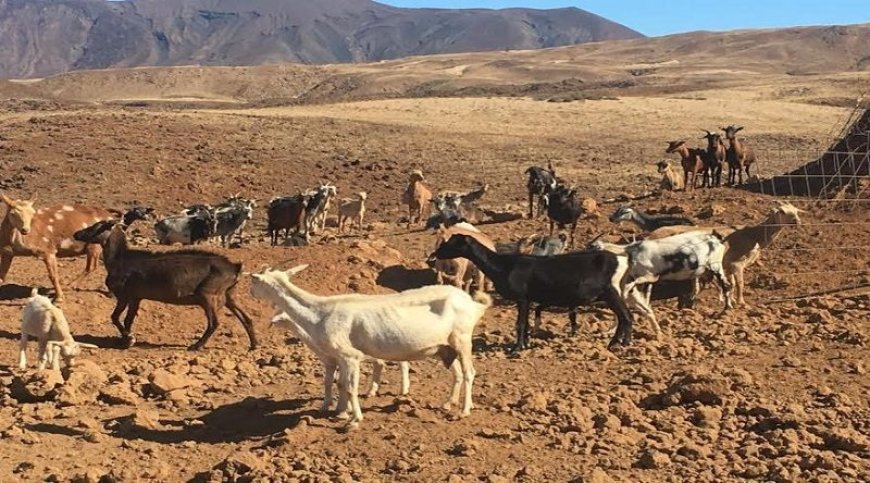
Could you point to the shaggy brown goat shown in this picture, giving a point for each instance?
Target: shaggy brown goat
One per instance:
(714, 158)
(739, 155)
(183, 277)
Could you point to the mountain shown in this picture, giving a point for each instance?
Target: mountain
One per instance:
(43, 37)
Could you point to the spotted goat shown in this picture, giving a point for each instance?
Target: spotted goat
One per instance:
(47, 233)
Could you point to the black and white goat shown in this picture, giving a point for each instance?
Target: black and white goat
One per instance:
(193, 225)
(319, 202)
(569, 281)
(647, 222)
(686, 256)
(231, 216)
(541, 181)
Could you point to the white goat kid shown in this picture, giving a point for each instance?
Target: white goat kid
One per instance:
(330, 365)
(46, 323)
(411, 325)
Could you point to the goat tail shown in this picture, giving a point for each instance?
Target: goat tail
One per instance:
(482, 298)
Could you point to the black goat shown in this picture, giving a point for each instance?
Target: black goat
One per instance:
(183, 277)
(569, 281)
(564, 209)
(287, 213)
(647, 222)
(540, 183)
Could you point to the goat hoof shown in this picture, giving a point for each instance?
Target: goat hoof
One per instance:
(195, 347)
(128, 341)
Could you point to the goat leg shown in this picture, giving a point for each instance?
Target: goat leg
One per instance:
(208, 307)
(132, 311)
(120, 307)
(572, 316)
(538, 310)
(522, 325)
(240, 314)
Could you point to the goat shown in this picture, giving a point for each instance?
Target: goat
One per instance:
(230, 218)
(540, 183)
(692, 161)
(317, 210)
(468, 200)
(714, 158)
(46, 323)
(196, 223)
(459, 271)
(331, 364)
(745, 244)
(182, 277)
(47, 233)
(568, 280)
(564, 209)
(286, 213)
(647, 222)
(671, 180)
(352, 209)
(411, 325)
(739, 155)
(448, 210)
(417, 196)
(687, 256)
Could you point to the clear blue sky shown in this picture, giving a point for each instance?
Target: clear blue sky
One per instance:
(662, 17)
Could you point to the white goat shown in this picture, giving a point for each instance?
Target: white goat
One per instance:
(46, 323)
(411, 325)
(686, 256)
(330, 364)
(352, 209)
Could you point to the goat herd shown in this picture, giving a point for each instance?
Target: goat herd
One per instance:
(344, 330)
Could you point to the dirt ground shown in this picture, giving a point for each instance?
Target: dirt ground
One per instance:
(776, 391)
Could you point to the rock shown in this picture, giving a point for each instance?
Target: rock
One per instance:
(692, 387)
(83, 383)
(707, 417)
(144, 419)
(694, 452)
(652, 459)
(162, 381)
(596, 476)
(536, 401)
(36, 386)
(119, 395)
(710, 211)
(463, 448)
(844, 439)
(240, 464)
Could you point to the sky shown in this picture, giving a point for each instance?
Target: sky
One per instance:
(657, 17)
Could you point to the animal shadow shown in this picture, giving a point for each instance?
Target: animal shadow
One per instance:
(400, 278)
(252, 417)
(13, 291)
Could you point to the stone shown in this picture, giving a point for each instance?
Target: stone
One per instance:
(83, 383)
(652, 459)
(162, 381)
(119, 395)
(36, 386)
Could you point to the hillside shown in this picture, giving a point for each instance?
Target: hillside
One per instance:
(43, 37)
(836, 59)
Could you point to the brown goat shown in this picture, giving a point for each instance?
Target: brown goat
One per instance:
(714, 158)
(739, 155)
(460, 272)
(47, 233)
(183, 277)
(285, 214)
(691, 159)
(417, 196)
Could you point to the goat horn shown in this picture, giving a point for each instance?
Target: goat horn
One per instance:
(88, 346)
(596, 238)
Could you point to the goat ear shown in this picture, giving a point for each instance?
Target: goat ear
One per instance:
(9, 201)
(296, 269)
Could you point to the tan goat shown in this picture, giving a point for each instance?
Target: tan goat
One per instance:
(417, 196)
(460, 272)
(744, 245)
(47, 233)
(352, 209)
(671, 179)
